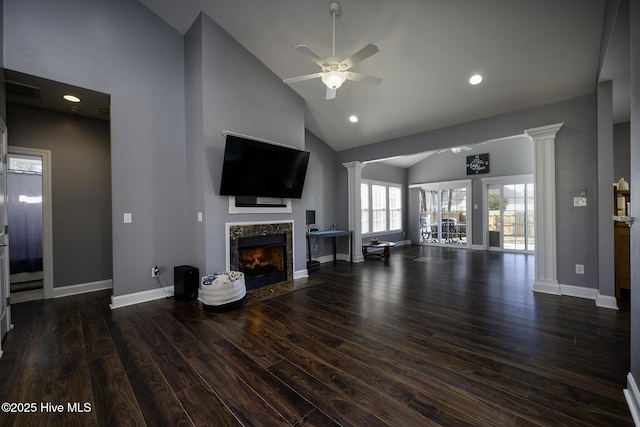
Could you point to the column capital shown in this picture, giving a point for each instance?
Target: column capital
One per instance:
(353, 165)
(544, 132)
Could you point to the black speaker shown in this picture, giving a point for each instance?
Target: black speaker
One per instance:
(185, 282)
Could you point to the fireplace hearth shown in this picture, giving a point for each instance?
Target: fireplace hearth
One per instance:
(263, 252)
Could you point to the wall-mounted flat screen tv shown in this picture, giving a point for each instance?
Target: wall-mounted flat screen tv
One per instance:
(254, 168)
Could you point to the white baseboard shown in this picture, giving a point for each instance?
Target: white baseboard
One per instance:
(578, 291)
(82, 288)
(547, 287)
(603, 301)
(606, 301)
(632, 395)
(478, 247)
(300, 274)
(140, 297)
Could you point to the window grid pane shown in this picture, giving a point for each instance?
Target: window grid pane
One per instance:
(380, 207)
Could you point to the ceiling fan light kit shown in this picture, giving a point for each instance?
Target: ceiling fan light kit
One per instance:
(334, 70)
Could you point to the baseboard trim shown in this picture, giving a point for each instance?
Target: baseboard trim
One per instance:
(140, 297)
(300, 274)
(547, 287)
(604, 301)
(578, 291)
(632, 395)
(82, 288)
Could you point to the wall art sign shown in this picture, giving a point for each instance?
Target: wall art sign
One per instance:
(477, 164)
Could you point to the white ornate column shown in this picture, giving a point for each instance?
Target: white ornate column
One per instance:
(544, 169)
(354, 179)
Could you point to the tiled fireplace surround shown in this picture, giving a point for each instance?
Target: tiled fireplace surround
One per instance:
(236, 231)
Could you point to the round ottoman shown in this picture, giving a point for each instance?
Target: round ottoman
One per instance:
(223, 291)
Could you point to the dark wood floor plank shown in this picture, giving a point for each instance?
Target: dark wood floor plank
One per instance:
(342, 409)
(125, 336)
(166, 356)
(97, 338)
(205, 408)
(236, 394)
(188, 345)
(289, 404)
(115, 403)
(157, 401)
(419, 357)
(435, 336)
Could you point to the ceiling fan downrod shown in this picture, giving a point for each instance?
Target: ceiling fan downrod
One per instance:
(334, 9)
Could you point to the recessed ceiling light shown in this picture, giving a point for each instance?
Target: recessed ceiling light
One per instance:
(353, 119)
(475, 79)
(71, 98)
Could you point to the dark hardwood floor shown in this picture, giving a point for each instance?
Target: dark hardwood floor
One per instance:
(436, 336)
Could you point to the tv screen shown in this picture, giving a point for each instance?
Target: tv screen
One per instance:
(253, 168)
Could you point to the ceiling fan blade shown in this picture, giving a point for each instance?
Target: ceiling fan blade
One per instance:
(311, 54)
(331, 93)
(359, 56)
(356, 77)
(303, 78)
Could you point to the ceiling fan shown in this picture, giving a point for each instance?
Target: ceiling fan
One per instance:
(335, 70)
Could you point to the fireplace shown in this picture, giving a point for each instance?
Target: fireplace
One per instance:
(262, 259)
(263, 252)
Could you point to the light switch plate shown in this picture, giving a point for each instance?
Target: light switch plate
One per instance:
(580, 201)
(127, 218)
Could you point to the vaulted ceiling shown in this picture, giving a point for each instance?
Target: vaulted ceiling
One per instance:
(529, 53)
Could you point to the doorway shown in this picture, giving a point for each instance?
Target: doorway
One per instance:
(445, 213)
(29, 219)
(510, 214)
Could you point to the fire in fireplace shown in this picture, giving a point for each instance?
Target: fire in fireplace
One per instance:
(262, 259)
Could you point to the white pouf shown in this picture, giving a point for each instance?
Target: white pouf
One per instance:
(223, 291)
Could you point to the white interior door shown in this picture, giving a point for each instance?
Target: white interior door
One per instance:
(5, 308)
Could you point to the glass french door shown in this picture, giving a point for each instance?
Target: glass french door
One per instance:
(511, 216)
(444, 209)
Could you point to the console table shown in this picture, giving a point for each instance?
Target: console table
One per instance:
(330, 233)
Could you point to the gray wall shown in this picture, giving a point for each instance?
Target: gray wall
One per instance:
(634, 15)
(621, 151)
(575, 165)
(3, 106)
(321, 182)
(120, 48)
(510, 156)
(320, 191)
(239, 94)
(81, 188)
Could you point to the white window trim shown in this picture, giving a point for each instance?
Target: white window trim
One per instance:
(371, 182)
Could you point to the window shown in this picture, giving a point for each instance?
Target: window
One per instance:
(364, 206)
(381, 207)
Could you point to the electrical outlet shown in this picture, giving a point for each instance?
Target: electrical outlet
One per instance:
(155, 271)
(579, 269)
